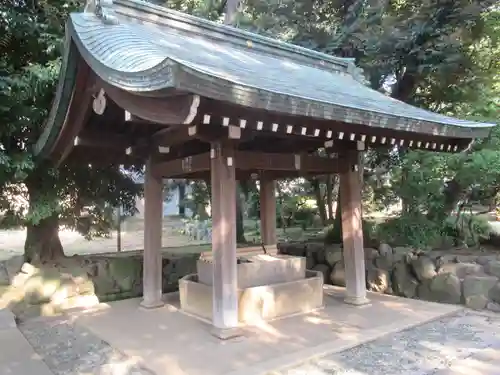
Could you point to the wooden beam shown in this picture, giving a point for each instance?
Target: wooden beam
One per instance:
(129, 117)
(285, 162)
(244, 175)
(271, 142)
(162, 140)
(165, 110)
(312, 128)
(248, 163)
(186, 165)
(174, 135)
(102, 140)
(252, 128)
(217, 112)
(191, 148)
(166, 138)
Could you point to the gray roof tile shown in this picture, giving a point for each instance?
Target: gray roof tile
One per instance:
(145, 54)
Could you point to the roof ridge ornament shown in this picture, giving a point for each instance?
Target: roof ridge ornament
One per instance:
(102, 9)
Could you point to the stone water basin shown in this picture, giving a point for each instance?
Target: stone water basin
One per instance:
(257, 270)
(269, 287)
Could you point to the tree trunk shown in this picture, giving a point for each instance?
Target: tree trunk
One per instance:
(240, 228)
(320, 202)
(336, 237)
(329, 196)
(281, 205)
(453, 192)
(405, 201)
(231, 12)
(42, 241)
(405, 87)
(182, 198)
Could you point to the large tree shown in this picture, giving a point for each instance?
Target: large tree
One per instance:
(33, 193)
(441, 55)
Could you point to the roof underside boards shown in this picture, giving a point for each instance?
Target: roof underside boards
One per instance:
(146, 57)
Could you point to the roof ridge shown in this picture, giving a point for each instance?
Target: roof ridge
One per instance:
(142, 10)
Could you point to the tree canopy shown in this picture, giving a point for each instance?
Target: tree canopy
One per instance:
(442, 55)
(33, 193)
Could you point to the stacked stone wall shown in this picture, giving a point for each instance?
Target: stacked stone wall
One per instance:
(438, 276)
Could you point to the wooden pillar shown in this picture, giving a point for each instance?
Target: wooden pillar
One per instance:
(152, 259)
(225, 285)
(352, 232)
(267, 210)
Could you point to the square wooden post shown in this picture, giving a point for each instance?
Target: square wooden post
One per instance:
(225, 282)
(267, 210)
(352, 232)
(152, 258)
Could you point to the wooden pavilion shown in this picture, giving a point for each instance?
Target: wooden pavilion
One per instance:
(199, 100)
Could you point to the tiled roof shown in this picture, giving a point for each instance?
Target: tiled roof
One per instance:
(142, 47)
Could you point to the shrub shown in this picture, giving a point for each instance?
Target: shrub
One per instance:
(304, 217)
(469, 230)
(333, 234)
(418, 231)
(410, 230)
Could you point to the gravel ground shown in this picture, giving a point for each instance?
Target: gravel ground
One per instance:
(434, 348)
(69, 349)
(429, 349)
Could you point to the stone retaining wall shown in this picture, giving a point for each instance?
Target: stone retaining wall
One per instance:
(110, 277)
(83, 280)
(117, 277)
(472, 280)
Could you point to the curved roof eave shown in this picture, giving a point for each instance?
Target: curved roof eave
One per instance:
(62, 100)
(139, 58)
(136, 57)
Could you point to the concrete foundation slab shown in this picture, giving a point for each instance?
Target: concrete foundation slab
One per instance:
(171, 343)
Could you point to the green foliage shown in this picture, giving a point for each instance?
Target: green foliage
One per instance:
(305, 217)
(31, 191)
(441, 55)
(199, 198)
(294, 204)
(467, 229)
(419, 231)
(419, 180)
(410, 230)
(332, 233)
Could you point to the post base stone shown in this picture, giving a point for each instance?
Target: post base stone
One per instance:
(356, 301)
(226, 333)
(149, 305)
